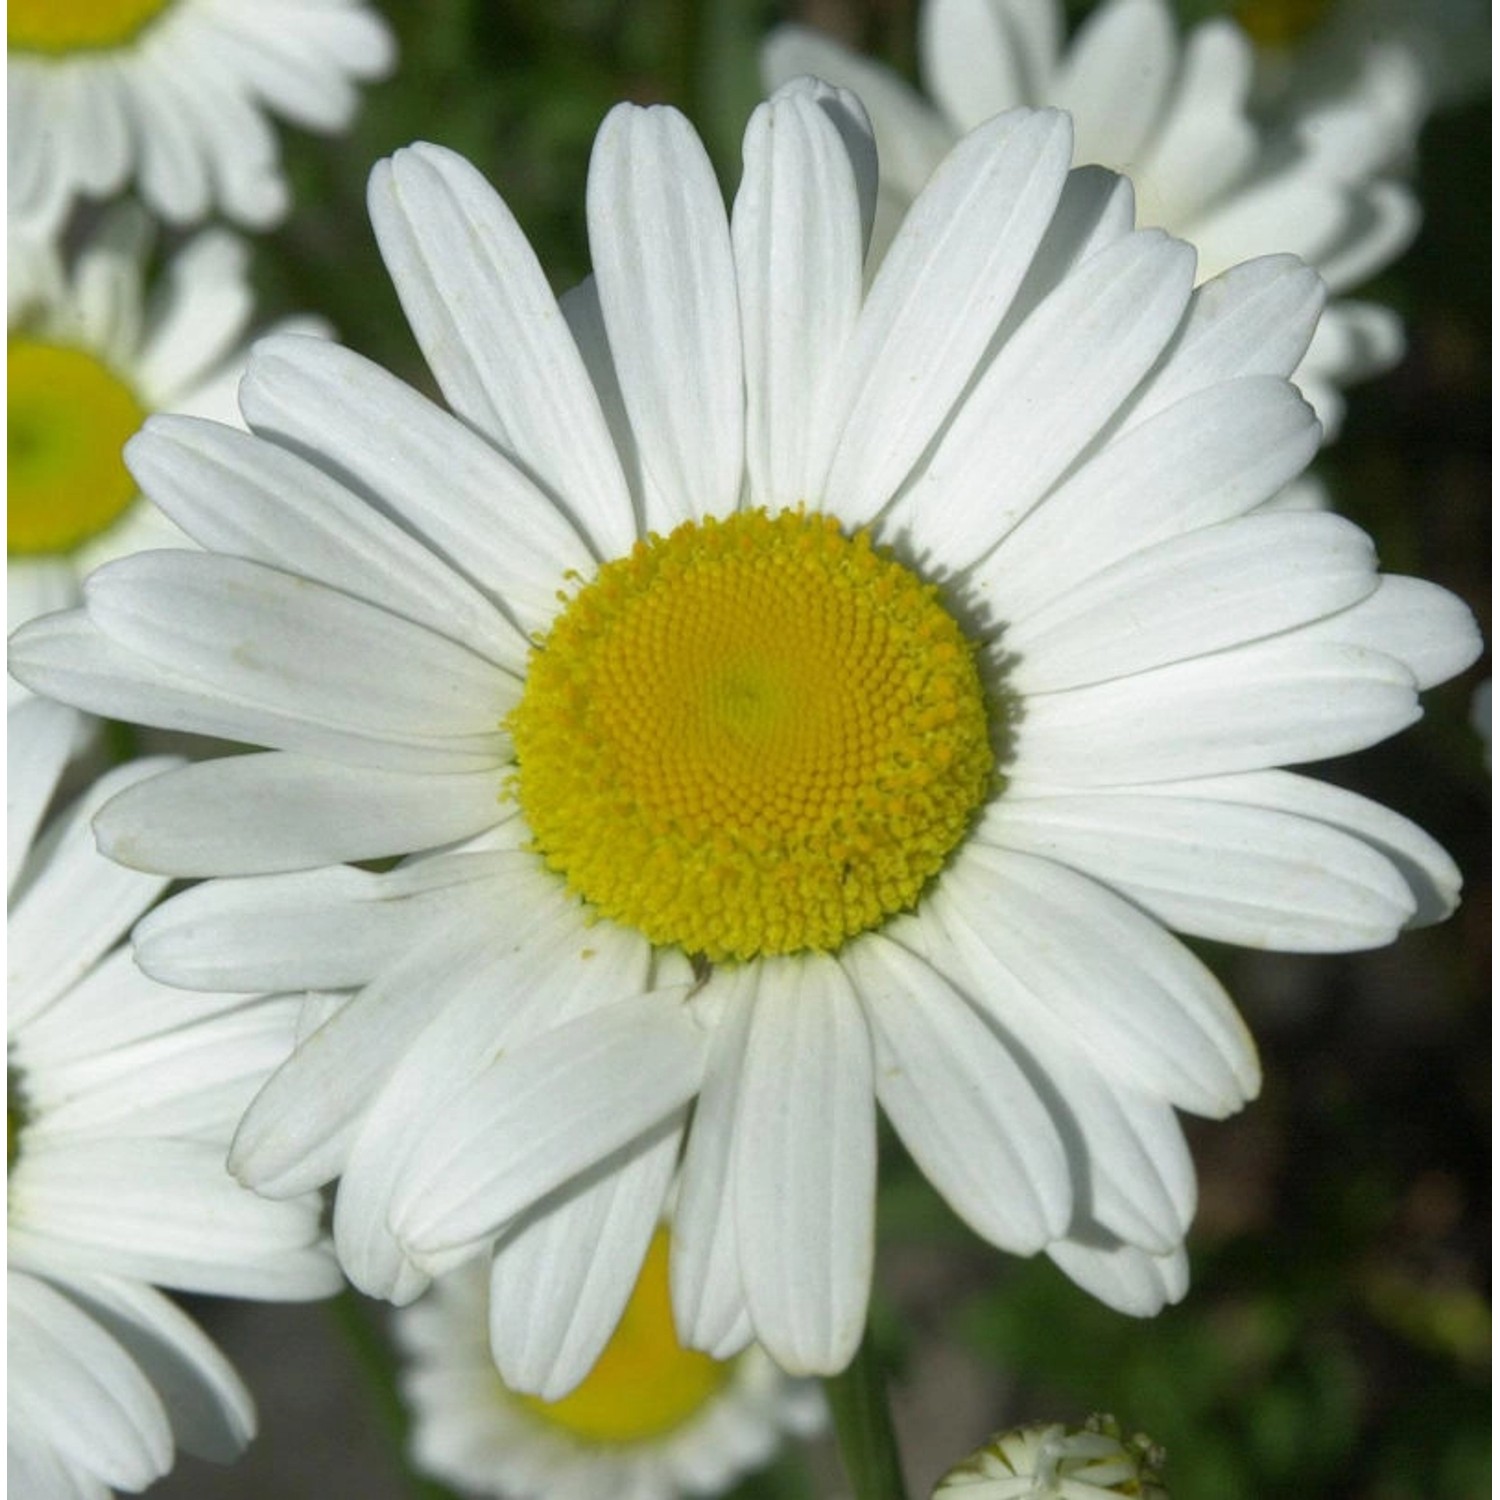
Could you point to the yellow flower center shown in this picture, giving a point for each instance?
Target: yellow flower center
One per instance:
(69, 417)
(645, 1384)
(77, 25)
(1279, 23)
(756, 735)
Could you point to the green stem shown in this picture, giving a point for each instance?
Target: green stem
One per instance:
(862, 1420)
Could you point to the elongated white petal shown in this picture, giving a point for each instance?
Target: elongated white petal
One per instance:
(296, 647)
(799, 254)
(1212, 456)
(1128, 1279)
(1049, 390)
(210, 1410)
(40, 738)
(297, 1132)
(79, 1379)
(492, 331)
(318, 929)
(489, 520)
(75, 907)
(1269, 703)
(542, 1113)
(259, 814)
(1253, 319)
(67, 656)
(561, 1279)
(973, 60)
(1250, 875)
(708, 1299)
(804, 1166)
(1217, 587)
(1431, 632)
(941, 292)
(165, 1211)
(1431, 876)
(235, 493)
(665, 275)
(960, 1102)
(545, 974)
(1056, 955)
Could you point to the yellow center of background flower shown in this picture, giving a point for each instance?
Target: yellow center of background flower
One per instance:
(77, 25)
(1279, 23)
(69, 416)
(645, 1384)
(756, 735)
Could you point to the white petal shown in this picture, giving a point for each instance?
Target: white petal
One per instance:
(461, 498)
(1212, 456)
(560, 1280)
(1278, 701)
(77, 906)
(1432, 633)
(799, 253)
(67, 656)
(206, 314)
(804, 1165)
(210, 1410)
(492, 332)
(960, 1102)
(297, 1132)
(1430, 875)
(69, 1377)
(708, 1300)
(165, 1211)
(1057, 956)
(665, 275)
(552, 966)
(260, 814)
(540, 1114)
(1129, 1280)
(318, 929)
(1114, 79)
(39, 738)
(1049, 390)
(946, 283)
(1238, 874)
(1216, 587)
(972, 60)
(295, 646)
(237, 494)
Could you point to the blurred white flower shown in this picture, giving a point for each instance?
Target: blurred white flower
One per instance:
(122, 1095)
(173, 98)
(1051, 1462)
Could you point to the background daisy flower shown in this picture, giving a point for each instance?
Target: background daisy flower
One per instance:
(652, 1420)
(173, 96)
(1320, 179)
(90, 353)
(122, 1095)
(916, 657)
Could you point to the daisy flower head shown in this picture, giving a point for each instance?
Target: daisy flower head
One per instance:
(122, 1095)
(789, 697)
(1048, 1461)
(92, 349)
(1173, 113)
(652, 1420)
(174, 98)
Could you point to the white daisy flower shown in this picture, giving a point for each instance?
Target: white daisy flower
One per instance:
(832, 697)
(122, 1096)
(173, 96)
(89, 356)
(651, 1421)
(1174, 114)
(1051, 1462)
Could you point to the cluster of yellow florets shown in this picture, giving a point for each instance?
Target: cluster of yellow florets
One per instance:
(756, 735)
